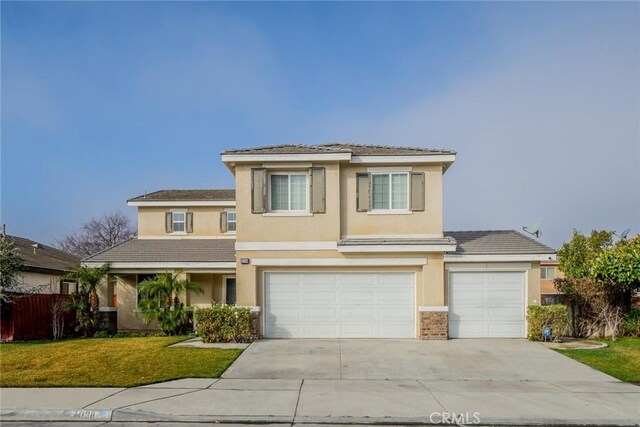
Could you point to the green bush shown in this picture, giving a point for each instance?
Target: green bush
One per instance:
(223, 323)
(540, 317)
(631, 323)
(101, 334)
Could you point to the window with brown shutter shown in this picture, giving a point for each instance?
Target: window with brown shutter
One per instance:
(318, 190)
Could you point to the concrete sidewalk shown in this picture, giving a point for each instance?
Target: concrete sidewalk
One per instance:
(333, 401)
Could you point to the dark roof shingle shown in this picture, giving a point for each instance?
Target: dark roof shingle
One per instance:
(169, 250)
(187, 195)
(355, 149)
(497, 242)
(44, 257)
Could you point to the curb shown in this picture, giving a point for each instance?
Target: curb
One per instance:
(52, 415)
(123, 415)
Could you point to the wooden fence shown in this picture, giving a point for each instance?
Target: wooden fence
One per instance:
(29, 317)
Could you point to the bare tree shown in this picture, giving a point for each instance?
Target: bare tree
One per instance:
(58, 308)
(98, 234)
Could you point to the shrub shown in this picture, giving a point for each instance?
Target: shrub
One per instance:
(540, 317)
(631, 323)
(102, 334)
(223, 323)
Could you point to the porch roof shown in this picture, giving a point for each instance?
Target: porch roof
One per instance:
(168, 251)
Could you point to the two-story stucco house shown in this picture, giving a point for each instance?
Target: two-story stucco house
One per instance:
(337, 240)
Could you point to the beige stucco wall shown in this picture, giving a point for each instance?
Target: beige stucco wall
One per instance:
(427, 222)
(125, 288)
(39, 282)
(266, 228)
(546, 285)
(206, 221)
(211, 284)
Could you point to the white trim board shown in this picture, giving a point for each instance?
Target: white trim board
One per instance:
(164, 265)
(284, 157)
(188, 236)
(499, 258)
(428, 158)
(181, 203)
(337, 262)
(398, 248)
(488, 266)
(427, 308)
(286, 246)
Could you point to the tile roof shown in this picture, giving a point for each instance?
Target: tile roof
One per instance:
(187, 195)
(355, 149)
(169, 250)
(497, 242)
(421, 241)
(44, 257)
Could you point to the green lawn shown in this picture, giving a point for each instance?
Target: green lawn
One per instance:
(621, 359)
(107, 362)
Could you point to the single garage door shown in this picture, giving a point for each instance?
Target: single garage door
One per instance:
(487, 304)
(339, 305)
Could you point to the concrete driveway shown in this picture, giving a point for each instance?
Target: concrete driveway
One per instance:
(455, 360)
(502, 382)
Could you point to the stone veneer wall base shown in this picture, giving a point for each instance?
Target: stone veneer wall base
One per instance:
(434, 325)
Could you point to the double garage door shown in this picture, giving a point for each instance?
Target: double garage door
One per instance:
(382, 305)
(488, 304)
(339, 305)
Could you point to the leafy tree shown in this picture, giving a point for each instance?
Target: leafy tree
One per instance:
(619, 265)
(10, 267)
(98, 234)
(161, 301)
(575, 257)
(85, 301)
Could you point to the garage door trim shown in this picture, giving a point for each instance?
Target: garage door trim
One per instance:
(489, 268)
(263, 285)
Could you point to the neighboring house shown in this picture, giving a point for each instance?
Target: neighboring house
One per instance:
(44, 267)
(549, 270)
(337, 240)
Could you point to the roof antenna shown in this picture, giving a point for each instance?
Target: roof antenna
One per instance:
(623, 235)
(534, 231)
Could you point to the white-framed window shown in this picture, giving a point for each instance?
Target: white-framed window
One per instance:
(390, 191)
(288, 192)
(179, 222)
(231, 221)
(547, 273)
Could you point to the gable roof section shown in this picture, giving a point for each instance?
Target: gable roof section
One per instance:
(354, 149)
(44, 258)
(497, 242)
(187, 195)
(168, 250)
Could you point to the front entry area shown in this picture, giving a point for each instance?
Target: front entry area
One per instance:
(486, 305)
(339, 305)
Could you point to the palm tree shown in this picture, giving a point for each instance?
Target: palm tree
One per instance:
(161, 301)
(85, 301)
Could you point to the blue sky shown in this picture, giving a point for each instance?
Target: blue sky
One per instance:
(104, 101)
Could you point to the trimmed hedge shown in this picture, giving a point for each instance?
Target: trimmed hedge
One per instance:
(631, 323)
(223, 323)
(555, 317)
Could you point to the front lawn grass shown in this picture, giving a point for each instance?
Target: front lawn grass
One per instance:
(108, 362)
(621, 359)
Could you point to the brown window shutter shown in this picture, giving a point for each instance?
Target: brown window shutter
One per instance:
(258, 190)
(223, 222)
(417, 191)
(168, 222)
(189, 222)
(318, 190)
(363, 192)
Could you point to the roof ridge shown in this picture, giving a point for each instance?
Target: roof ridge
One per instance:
(298, 145)
(109, 248)
(404, 147)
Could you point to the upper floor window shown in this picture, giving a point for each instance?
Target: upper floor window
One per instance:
(547, 273)
(288, 192)
(390, 191)
(178, 222)
(231, 221)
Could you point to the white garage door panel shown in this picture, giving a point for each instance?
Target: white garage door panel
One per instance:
(350, 305)
(487, 304)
